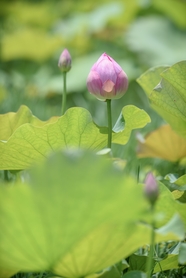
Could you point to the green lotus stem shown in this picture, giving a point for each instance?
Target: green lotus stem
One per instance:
(64, 93)
(151, 252)
(109, 115)
(6, 175)
(138, 173)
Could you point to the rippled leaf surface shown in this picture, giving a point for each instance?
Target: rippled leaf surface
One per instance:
(76, 128)
(168, 95)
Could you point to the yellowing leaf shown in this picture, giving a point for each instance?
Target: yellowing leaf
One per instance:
(163, 143)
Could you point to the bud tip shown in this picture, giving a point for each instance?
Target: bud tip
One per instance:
(151, 189)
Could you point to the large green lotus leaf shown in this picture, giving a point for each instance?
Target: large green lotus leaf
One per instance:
(168, 97)
(75, 129)
(74, 217)
(70, 199)
(113, 271)
(132, 118)
(151, 78)
(4, 273)
(9, 122)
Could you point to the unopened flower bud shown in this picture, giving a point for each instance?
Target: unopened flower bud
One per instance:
(65, 61)
(106, 79)
(151, 189)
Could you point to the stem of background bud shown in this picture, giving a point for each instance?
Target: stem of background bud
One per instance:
(138, 173)
(152, 243)
(64, 95)
(109, 115)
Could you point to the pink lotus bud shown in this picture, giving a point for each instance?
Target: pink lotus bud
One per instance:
(106, 79)
(151, 189)
(65, 61)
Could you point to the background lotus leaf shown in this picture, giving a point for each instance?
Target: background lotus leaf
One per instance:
(163, 143)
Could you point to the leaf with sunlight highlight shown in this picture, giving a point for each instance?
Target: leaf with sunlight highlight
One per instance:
(30, 143)
(162, 143)
(168, 95)
(9, 122)
(74, 217)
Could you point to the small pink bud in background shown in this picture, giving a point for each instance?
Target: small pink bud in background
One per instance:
(106, 79)
(65, 61)
(151, 189)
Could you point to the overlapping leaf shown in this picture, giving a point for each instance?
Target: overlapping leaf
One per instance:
(181, 180)
(131, 118)
(9, 122)
(163, 143)
(166, 206)
(76, 128)
(171, 262)
(168, 95)
(74, 217)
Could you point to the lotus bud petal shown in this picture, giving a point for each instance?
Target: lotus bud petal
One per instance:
(65, 61)
(151, 189)
(106, 79)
